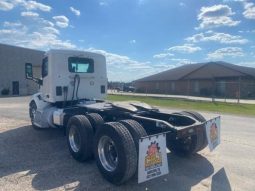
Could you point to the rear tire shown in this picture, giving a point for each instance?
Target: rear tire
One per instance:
(188, 146)
(182, 147)
(194, 114)
(115, 153)
(201, 137)
(136, 130)
(80, 138)
(95, 120)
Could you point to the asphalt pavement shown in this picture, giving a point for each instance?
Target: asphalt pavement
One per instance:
(39, 159)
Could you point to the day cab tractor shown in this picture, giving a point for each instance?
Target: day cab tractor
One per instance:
(73, 88)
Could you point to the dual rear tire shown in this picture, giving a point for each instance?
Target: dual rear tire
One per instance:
(115, 145)
(80, 137)
(115, 152)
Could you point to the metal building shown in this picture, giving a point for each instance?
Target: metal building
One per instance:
(12, 69)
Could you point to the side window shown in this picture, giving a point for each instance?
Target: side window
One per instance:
(80, 65)
(45, 67)
(196, 86)
(173, 86)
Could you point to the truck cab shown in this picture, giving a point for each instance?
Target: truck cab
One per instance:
(69, 75)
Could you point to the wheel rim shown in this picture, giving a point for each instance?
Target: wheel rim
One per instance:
(108, 154)
(74, 139)
(32, 115)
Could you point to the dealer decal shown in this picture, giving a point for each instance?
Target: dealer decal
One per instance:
(213, 132)
(152, 158)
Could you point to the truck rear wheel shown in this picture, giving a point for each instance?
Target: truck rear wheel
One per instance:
(80, 137)
(194, 114)
(115, 152)
(182, 147)
(192, 144)
(95, 120)
(201, 137)
(135, 129)
(32, 112)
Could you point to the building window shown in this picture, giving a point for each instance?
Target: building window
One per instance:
(222, 87)
(196, 86)
(172, 86)
(157, 85)
(80, 65)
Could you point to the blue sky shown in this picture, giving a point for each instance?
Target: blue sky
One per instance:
(138, 37)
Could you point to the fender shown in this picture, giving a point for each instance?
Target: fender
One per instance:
(40, 103)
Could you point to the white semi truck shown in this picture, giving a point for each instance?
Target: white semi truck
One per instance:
(73, 88)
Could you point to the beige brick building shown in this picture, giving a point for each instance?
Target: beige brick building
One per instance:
(12, 69)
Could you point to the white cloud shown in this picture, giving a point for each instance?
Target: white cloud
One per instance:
(11, 24)
(47, 23)
(48, 40)
(141, 2)
(39, 34)
(181, 61)
(163, 55)
(249, 10)
(186, 48)
(246, 31)
(223, 38)
(75, 11)
(51, 30)
(29, 14)
(33, 5)
(182, 4)
(118, 66)
(9, 32)
(216, 16)
(132, 41)
(103, 3)
(61, 21)
(6, 6)
(247, 64)
(223, 52)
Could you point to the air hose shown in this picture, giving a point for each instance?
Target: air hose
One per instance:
(76, 77)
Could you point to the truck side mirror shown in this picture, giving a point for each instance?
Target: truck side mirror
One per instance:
(29, 71)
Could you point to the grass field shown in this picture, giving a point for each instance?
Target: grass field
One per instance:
(239, 109)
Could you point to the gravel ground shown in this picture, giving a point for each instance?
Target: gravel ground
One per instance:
(39, 159)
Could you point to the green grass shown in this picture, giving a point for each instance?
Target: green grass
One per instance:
(232, 108)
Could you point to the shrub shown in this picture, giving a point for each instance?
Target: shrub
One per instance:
(5, 91)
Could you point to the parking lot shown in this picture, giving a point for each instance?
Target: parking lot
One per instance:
(39, 159)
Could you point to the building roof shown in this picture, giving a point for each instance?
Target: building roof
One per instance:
(191, 71)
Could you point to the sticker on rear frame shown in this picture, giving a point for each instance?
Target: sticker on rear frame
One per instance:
(152, 158)
(213, 132)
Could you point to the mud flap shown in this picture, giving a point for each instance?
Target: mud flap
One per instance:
(213, 132)
(152, 157)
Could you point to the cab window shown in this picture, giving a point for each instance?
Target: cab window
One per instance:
(80, 65)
